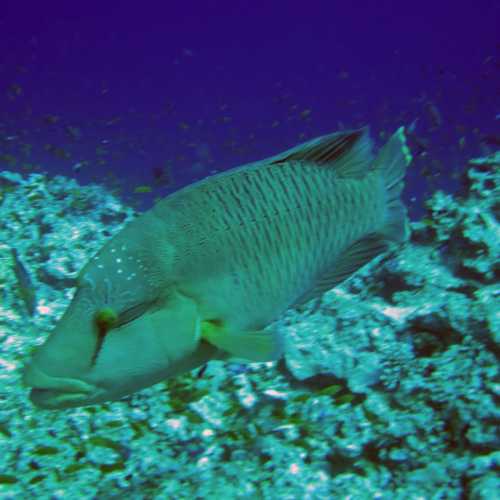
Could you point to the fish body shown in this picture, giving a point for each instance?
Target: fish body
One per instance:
(202, 273)
(258, 239)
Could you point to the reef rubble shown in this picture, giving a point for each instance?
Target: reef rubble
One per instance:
(389, 386)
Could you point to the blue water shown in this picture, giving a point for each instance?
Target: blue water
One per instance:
(387, 389)
(162, 94)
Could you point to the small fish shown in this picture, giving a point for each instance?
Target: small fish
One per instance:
(491, 140)
(24, 283)
(143, 189)
(420, 145)
(14, 91)
(79, 165)
(51, 119)
(74, 133)
(161, 175)
(201, 274)
(113, 121)
(412, 127)
(9, 159)
(306, 113)
(434, 115)
(57, 152)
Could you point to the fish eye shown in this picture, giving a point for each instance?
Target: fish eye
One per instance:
(105, 319)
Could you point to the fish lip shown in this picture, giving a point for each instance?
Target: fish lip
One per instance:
(52, 399)
(42, 383)
(55, 393)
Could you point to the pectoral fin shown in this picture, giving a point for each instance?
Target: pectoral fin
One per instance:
(257, 346)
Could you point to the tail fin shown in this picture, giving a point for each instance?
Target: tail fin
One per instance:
(392, 161)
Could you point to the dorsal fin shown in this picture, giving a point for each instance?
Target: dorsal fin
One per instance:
(348, 152)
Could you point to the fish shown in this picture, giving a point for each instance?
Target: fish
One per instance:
(205, 272)
(143, 188)
(491, 140)
(24, 283)
(434, 115)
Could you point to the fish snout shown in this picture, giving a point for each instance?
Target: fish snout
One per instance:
(55, 392)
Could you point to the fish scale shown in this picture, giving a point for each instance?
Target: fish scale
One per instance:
(271, 228)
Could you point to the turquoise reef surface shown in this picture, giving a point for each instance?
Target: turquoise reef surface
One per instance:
(388, 389)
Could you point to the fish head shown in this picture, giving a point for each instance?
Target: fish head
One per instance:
(126, 328)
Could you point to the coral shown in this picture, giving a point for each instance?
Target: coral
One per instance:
(468, 227)
(388, 387)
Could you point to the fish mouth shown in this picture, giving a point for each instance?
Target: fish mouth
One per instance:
(51, 399)
(56, 392)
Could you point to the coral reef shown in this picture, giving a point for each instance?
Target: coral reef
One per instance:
(388, 387)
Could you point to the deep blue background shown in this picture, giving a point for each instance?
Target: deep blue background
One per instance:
(161, 93)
